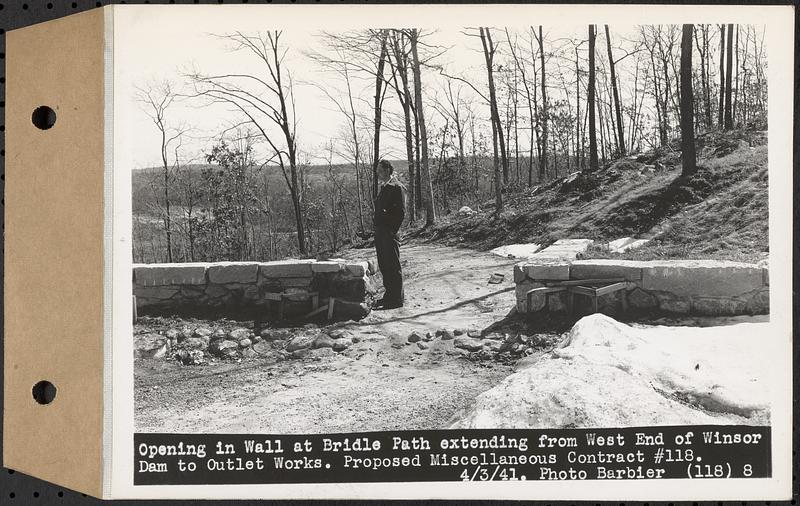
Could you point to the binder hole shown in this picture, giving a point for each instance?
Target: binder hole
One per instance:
(44, 392)
(43, 117)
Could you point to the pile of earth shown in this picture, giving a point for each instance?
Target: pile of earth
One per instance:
(608, 374)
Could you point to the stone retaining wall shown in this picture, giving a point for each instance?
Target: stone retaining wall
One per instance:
(696, 287)
(246, 290)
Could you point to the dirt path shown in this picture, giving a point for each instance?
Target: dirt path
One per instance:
(380, 383)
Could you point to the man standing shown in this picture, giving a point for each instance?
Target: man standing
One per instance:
(389, 214)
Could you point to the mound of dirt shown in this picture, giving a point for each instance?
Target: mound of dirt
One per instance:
(720, 212)
(608, 374)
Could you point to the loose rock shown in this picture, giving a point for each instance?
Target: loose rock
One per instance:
(339, 334)
(422, 345)
(340, 345)
(245, 343)
(195, 343)
(414, 337)
(193, 357)
(468, 343)
(301, 342)
(239, 334)
(202, 332)
(275, 334)
(224, 348)
(322, 341)
(150, 346)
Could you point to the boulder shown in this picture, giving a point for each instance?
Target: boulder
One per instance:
(422, 345)
(300, 342)
(299, 353)
(322, 341)
(275, 334)
(193, 357)
(202, 332)
(468, 343)
(195, 343)
(150, 346)
(224, 348)
(414, 337)
(444, 334)
(339, 334)
(458, 332)
(239, 334)
(341, 344)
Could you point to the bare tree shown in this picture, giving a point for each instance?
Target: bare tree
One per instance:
(618, 113)
(268, 104)
(688, 155)
(728, 115)
(593, 163)
(156, 100)
(545, 118)
(721, 110)
(497, 128)
(430, 211)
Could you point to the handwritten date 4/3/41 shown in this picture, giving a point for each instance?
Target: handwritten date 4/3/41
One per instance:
(496, 473)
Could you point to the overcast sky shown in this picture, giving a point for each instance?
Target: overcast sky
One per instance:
(160, 43)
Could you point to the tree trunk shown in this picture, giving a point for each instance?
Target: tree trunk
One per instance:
(593, 163)
(378, 105)
(404, 95)
(734, 114)
(430, 212)
(687, 104)
(617, 110)
(728, 76)
(578, 151)
(721, 110)
(488, 54)
(543, 157)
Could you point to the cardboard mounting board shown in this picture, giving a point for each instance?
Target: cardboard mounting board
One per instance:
(54, 252)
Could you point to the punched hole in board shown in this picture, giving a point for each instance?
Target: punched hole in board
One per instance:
(44, 392)
(43, 117)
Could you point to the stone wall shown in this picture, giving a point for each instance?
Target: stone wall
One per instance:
(696, 287)
(251, 290)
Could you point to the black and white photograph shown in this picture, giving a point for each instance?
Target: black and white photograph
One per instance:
(532, 223)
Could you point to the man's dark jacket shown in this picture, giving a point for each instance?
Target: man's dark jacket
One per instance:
(390, 206)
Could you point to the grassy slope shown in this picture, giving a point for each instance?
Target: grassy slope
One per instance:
(720, 212)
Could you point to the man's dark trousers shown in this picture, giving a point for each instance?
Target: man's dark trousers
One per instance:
(387, 247)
